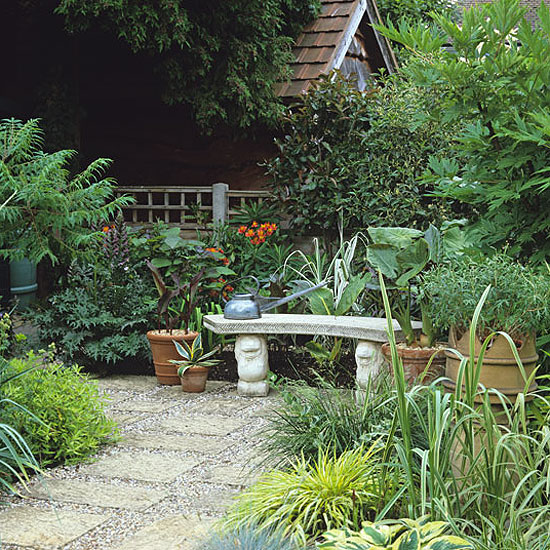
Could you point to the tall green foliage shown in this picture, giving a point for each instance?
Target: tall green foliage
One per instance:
(220, 57)
(351, 159)
(494, 85)
(47, 212)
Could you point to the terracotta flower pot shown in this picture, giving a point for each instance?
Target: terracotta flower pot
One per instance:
(499, 368)
(163, 349)
(194, 379)
(415, 361)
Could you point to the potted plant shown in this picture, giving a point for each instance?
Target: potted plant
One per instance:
(517, 304)
(193, 368)
(401, 254)
(177, 303)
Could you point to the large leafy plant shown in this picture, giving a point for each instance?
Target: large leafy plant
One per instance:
(406, 534)
(401, 254)
(352, 159)
(222, 58)
(494, 87)
(46, 211)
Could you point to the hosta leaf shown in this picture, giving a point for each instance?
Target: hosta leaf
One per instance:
(432, 530)
(449, 542)
(410, 540)
(383, 257)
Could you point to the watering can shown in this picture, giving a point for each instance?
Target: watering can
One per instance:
(250, 305)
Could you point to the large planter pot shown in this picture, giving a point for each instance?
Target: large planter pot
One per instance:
(415, 361)
(163, 350)
(23, 282)
(499, 369)
(194, 379)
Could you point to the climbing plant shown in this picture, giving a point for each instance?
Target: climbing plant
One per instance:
(220, 57)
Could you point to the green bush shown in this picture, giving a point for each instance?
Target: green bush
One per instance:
(48, 213)
(311, 497)
(518, 302)
(71, 410)
(493, 86)
(412, 10)
(312, 420)
(352, 159)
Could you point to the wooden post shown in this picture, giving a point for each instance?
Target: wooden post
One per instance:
(220, 203)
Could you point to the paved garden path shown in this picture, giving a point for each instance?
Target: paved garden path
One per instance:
(181, 459)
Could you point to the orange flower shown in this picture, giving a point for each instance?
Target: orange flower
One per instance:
(105, 229)
(249, 233)
(242, 229)
(254, 224)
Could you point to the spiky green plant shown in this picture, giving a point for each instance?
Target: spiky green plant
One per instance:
(312, 497)
(193, 356)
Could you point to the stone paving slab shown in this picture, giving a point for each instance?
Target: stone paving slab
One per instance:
(46, 529)
(141, 405)
(97, 494)
(140, 466)
(223, 406)
(172, 533)
(125, 418)
(176, 391)
(231, 474)
(215, 501)
(189, 443)
(128, 382)
(204, 424)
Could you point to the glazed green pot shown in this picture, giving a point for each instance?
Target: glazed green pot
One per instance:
(23, 282)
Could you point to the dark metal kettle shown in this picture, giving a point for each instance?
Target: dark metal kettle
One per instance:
(250, 305)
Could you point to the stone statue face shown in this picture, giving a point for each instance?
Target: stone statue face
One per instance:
(251, 355)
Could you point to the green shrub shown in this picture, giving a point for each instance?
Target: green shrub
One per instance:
(71, 410)
(352, 159)
(493, 86)
(48, 213)
(413, 10)
(518, 302)
(312, 497)
(312, 420)
(95, 319)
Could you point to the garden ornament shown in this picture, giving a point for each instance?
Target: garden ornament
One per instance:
(250, 305)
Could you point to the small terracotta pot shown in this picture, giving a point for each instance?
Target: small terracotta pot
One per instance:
(194, 379)
(499, 368)
(163, 349)
(415, 361)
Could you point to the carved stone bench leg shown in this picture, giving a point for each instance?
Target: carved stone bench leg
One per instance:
(370, 361)
(252, 365)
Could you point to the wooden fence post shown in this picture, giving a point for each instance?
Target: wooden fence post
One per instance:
(220, 203)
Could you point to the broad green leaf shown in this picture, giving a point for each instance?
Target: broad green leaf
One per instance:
(352, 291)
(413, 259)
(383, 257)
(321, 302)
(395, 236)
(410, 540)
(161, 262)
(317, 350)
(432, 530)
(433, 238)
(449, 542)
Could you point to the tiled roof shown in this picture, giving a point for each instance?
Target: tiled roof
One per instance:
(322, 44)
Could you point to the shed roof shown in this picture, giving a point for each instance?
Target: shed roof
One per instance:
(324, 42)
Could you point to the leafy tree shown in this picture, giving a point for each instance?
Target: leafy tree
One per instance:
(220, 57)
(495, 87)
(46, 212)
(351, 159)
(412, 10)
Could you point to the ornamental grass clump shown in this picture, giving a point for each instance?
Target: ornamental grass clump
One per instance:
(310, 498)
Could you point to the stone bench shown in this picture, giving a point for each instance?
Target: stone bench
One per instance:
(251, 345)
